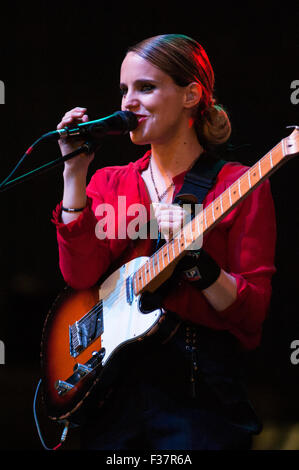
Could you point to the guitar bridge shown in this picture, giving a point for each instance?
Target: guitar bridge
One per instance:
(86, 330)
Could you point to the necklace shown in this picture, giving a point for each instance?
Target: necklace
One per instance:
(160, 197)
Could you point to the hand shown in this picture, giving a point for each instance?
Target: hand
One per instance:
(81, 162)
(170, 218)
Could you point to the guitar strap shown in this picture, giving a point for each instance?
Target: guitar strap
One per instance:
(197, 182)
(199, 179)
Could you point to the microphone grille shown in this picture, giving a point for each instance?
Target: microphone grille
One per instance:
(130, 120)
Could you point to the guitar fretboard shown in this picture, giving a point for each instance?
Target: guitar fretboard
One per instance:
(210, 216)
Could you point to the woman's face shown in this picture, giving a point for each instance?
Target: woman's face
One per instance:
(154, 97)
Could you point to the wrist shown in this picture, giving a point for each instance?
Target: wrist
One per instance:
(200, 269)
(71, 174)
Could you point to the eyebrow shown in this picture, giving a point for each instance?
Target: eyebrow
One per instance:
(141, 81)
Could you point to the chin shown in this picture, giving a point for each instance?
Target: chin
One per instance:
(138, 139)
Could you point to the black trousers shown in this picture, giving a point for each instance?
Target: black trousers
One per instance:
(175, 396)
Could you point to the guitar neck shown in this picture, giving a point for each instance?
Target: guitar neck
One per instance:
(202, 223)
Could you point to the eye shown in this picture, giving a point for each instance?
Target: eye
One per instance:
(123, 91)
(147, 87)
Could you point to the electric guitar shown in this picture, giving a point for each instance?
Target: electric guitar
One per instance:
(86, 330)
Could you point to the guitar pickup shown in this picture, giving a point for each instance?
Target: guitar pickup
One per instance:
(86, 330)
(129, 290)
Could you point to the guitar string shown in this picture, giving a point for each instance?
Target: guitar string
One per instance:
(115, 298)
(232, 187)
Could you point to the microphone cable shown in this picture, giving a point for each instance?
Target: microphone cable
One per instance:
(64, 432)
(28, 152)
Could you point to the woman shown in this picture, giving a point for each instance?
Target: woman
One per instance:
(189, 386)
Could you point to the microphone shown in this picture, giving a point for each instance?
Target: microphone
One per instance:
(118, 123)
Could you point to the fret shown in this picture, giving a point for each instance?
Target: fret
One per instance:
(249, 181)
(179, 247)
(134, 283)
(157, 261)
(191, 231)
(172, 244)
(185, 242)
(225, 200)
(213, 211)
(205, 218)
(164, 254)
(147, 271)
(253, 172)
(138, 280)
(244, 184)
(277, 153)
(153, 264)
(217, 201)
(198, 227)
(151, 274)
(141, 274)
(143, 268)
(162, 257)
(234, 196)
(230, 197)
(283, 147)
(182, 244)
(239, 187)
(167, 246)
(260, 171)
(265, 165)
(221, 206)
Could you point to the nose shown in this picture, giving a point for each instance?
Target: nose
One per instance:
(130, 102)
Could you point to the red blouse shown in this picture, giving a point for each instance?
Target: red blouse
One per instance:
(243, 244)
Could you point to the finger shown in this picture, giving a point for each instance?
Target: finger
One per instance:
(166, 231)
(72, 119)
(171, 217)
(166, 206)
(75, 112)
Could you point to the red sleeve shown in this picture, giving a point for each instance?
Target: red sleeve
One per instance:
(250, 245)
(83, 258)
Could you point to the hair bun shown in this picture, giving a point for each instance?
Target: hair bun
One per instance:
(216, 127)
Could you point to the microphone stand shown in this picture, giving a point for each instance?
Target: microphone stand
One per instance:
(87, 147)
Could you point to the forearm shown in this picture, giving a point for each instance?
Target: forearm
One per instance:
(83, 258)
(222, 293)
(74, 194)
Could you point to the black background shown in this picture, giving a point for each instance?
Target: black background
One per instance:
(60, 55)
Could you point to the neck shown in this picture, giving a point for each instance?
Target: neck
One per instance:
(176, 156)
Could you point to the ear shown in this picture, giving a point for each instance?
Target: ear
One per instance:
(193, 94)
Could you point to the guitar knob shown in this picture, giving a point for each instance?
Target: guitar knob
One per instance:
(99, 354)
(82, 369)
(62, 386)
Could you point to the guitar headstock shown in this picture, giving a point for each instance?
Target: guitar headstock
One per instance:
(291, 143)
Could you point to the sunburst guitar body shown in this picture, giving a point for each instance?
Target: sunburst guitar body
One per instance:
(83, 332)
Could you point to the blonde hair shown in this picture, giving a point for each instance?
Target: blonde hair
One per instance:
(185, 61)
